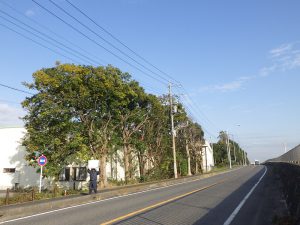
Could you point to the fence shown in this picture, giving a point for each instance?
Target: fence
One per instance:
(13, 197)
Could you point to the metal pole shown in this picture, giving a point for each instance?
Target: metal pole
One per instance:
(41, 175)
(173, 131)
(212, 148)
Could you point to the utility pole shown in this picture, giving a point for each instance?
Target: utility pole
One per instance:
(212, 148)
(173, 131)
(228, 151)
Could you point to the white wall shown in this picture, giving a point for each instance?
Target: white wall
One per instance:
(12, 156)
(207, 151)
(114, 170)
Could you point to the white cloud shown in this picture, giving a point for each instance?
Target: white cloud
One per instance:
(10, 115)
(29, 13)
(283, 58)
(277, 52)
(265, 71)
(229, 86)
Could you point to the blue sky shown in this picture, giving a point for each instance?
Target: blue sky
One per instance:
(238, 61)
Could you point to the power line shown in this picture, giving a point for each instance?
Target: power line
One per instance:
(51, 31)
(81, 56)
(119, 41)
(106, 41)
(95, 42)
(107, 49)
(38, 43)
(16, 89)
(197, 107)
(191, 111)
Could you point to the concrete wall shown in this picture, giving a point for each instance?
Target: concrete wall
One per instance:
(292, 156)
(289, 175)
(115, 167)
(12, 156)
(207, 157)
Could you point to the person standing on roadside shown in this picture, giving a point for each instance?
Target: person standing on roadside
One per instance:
(93, 180)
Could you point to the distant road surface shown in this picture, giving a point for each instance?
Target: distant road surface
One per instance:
(236, 197)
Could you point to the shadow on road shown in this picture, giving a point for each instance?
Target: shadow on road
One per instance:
(264, 206)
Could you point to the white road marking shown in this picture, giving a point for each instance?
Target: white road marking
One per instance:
(237, 209)
(122, 196)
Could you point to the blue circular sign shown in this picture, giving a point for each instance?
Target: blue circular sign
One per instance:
(42, 160)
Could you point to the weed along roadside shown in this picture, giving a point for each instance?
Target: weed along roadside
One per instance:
(19, 196)
(37, 206)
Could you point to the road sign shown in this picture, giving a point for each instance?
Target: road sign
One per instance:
(42, 160)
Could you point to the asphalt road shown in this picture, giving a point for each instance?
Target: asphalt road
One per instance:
(208, 201)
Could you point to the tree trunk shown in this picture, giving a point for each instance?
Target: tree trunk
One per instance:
(126, 162)
(188, 158)
(103, 177)
(130, 164)
(141, 164)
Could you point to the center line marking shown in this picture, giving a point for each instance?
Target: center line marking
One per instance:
(159, 204)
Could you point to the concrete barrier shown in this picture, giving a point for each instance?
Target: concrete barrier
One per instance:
(289, 174)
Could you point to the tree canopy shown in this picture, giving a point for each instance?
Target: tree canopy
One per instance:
(83, 112)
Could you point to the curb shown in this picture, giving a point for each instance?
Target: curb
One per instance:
(25, 209)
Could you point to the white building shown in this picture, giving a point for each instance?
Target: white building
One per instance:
(14, 171)
(207, 157)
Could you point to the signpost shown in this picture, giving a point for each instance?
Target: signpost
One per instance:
(42, 161)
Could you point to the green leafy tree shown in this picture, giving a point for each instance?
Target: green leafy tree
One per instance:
(73, 113)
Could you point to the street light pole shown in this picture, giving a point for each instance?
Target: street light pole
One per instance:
(173, 131)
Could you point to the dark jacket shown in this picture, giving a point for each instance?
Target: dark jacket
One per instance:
(93, 174)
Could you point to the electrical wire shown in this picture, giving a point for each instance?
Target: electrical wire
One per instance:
(52, 32)
(136, 54)
(38, 43)
(119, 41)
(15, 89)
(95, 42)
(103, 29)
(40, 37)
(106, 41)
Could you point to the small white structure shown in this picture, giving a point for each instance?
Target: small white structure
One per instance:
(207, 157)
(14, 171)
